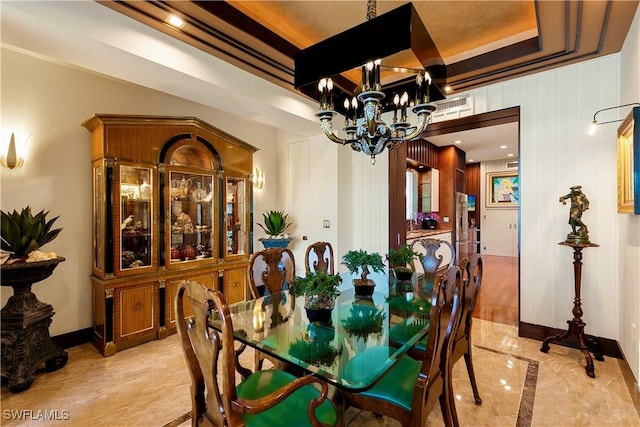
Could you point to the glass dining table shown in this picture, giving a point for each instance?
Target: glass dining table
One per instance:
(364, 338)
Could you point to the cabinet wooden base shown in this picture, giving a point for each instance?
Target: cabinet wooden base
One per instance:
(133, 311)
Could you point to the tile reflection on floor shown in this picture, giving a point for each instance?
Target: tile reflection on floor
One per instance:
(148, 385)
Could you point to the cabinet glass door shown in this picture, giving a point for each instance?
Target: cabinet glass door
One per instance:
(136, 220)
(191, 216)
(235, 216)
(98, 218)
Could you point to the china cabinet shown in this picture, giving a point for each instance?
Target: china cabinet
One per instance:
(171, 201)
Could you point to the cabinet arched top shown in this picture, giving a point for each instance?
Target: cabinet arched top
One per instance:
(145, 139)
(191, 151)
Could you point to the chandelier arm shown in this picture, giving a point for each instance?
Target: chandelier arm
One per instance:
(327, 128)
(420, 127)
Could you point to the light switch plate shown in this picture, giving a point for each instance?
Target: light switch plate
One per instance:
(326, 223)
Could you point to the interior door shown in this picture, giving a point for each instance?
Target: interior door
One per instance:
(500, 232)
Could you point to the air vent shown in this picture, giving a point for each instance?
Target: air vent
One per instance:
(456, 103)
(512, 165)
(452, 108)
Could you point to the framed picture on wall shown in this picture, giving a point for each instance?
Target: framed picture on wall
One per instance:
(503, 189)
(628, 143)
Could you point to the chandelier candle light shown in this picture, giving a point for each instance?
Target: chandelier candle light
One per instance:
(365, 130)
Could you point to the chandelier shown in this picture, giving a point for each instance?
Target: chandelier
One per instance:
(364, 128)
(391, 35)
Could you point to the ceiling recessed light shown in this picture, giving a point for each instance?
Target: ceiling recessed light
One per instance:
(175, 21)
(503, 146)
(470, 161)
(457, 141)
(510, 155)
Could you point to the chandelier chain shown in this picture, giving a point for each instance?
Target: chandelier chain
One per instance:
(371, 9)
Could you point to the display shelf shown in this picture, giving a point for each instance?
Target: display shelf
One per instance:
(160, 216)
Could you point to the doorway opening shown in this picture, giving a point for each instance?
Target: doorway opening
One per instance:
(499, 227)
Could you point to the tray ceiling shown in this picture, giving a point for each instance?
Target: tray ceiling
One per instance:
(480, 41)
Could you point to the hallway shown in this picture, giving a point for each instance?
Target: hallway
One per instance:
(498, 298)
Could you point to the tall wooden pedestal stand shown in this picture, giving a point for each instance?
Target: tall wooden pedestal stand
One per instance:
(576, 326)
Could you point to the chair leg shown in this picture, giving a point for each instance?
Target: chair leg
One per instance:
(259, 361)
(472, 376)
(448, 409)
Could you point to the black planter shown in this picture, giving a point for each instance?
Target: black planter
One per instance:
(364, 288)
(319, 315)
(25, 320)
(403, 275)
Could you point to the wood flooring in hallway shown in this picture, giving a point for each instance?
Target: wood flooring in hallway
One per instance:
(498, 298)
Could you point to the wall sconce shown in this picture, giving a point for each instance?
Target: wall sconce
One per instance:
(12, 155)
(595, 122)
(258, 178)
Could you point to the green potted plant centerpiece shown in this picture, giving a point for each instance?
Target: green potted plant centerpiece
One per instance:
(320, 290)
(317, 347)
(363, 321)
(401, 262)
(363, 262)
(275, 225)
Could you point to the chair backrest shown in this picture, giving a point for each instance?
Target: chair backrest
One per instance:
(471, 281)
(270, 269)
(209, 354)
(444, 319)
(319, 257)
(437, 255)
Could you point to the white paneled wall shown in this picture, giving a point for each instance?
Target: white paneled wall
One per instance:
(628, 228)
(370, 203)
(555, 154)
(311, 194)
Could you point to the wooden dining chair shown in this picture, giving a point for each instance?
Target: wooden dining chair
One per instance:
(264, 398)
(411, 388)
(472, 279)
(270, 271)
(319, 257)
(471, 268)
(436, 255)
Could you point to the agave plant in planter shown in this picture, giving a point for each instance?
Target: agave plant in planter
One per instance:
(320, 290)
(401, 261)
(275, 225)
(26, 335)
(363, 262)
(23, 234)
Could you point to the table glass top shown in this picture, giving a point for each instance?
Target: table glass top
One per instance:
(363, 338)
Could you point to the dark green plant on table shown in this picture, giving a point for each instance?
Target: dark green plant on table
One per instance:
(314, 352)
(363, 321)
(400, 259)
(363, 262)
(275, 223)
(23, 233)
(319, 288)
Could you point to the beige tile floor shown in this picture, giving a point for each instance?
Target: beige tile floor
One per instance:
(149, 386)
